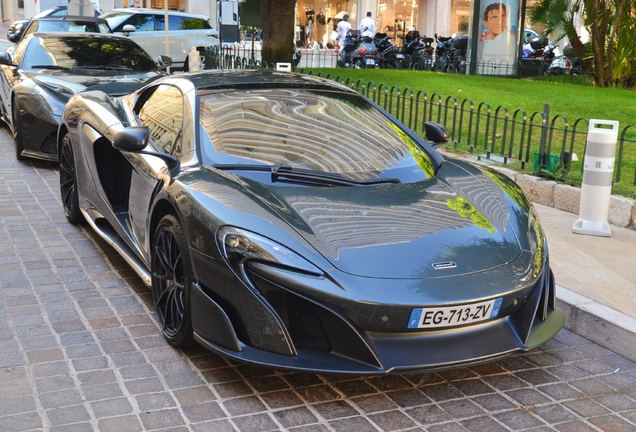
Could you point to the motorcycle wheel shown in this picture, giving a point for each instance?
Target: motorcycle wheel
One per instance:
(359, 64)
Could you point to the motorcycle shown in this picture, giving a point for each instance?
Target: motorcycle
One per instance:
(457, 55)
(420, 50)
(358, 51)
(443, 48)
(390, 56)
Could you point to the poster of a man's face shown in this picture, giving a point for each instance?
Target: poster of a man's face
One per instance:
(498, 37)
(494, 20)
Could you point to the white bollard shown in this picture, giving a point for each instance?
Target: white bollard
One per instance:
(598, 171)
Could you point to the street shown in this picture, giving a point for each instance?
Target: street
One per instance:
(80, 351)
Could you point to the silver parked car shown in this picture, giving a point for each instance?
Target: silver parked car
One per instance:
(147, 27)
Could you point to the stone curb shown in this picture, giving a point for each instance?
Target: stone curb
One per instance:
(622, 210)
(598, 323)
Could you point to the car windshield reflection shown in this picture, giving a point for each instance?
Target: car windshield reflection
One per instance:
(314, 130)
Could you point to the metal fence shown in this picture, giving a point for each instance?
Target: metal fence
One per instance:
(543, 143)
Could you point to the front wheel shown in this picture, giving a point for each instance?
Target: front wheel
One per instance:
(68, 181)
(172, 278)
(17, 132)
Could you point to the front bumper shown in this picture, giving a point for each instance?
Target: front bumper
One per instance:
(278, 327)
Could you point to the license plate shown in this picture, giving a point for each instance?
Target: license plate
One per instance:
(399, 55)
(454, 315)
(370, 61)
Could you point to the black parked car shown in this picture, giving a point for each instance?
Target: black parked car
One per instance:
(15, 30)
(46, 69)
(67, 24)
(287, 221)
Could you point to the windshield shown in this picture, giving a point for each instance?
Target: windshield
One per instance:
(80, 51)
(323, 131)
(67, 26)
(115, 18)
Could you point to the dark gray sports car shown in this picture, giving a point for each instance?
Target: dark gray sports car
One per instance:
(44, 70)
(287, 221)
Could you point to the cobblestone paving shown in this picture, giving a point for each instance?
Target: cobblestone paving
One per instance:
(80, 351)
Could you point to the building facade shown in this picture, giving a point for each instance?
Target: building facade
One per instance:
(315, 18)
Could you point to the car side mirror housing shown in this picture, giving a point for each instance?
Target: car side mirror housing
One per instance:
(6, 61)
(436, 134)
(132, 139)
(11, 38)
(164, 61)
(128, 29)
(135, 139)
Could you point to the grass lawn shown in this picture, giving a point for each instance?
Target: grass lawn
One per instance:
(570, 100)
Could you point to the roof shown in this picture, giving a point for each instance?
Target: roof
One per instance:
(149, 11)
(261, 78)
(72, 18)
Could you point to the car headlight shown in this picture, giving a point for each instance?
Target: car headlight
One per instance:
(240, 246)
(50, 104)
(536, 239)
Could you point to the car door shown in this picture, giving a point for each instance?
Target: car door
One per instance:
(9, 78)
(162, 113)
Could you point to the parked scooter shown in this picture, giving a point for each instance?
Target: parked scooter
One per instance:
(420, 50)
(443, 48)
(390, 56)
(359, 52)
(457, 55)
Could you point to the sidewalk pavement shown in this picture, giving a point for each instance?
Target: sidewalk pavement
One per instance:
(596, 280)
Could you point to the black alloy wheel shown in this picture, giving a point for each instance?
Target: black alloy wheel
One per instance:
(172, 278)
(68, 181)
(17, 132)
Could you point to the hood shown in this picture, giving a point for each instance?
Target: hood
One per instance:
(65, 85)
(456, 223)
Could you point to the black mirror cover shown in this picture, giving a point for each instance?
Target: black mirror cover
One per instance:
(132, 139)
(436, 134)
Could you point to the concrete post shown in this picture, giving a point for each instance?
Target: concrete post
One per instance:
(598, 171)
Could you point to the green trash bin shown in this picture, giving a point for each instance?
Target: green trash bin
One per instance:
(552, 165)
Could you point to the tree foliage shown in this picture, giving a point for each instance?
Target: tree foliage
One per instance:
(278, 30)
(610, 24)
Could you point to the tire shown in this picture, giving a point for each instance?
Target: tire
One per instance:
(172, 277)
(359, 64)
(68, 181)
(17, 132)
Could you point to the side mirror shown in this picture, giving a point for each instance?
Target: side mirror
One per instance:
(11, 38)
(128, 29)
(135, 139)
(132, 139)
(436, 134)
(164, 61)
(6, 61)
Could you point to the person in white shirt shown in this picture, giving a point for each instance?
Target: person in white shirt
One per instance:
(343, 30)
(367, 26)
(498, 46)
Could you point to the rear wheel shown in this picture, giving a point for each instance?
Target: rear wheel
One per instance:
(68, 181)
(17, 132)
(172, 278)
(359, 63)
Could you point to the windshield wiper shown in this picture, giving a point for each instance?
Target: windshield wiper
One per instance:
(53, 67)
(285, 173)
(104, 67)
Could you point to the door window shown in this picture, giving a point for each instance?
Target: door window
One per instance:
(163, 114)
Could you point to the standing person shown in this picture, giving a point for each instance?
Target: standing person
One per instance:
(367, 26)
(343, 30)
